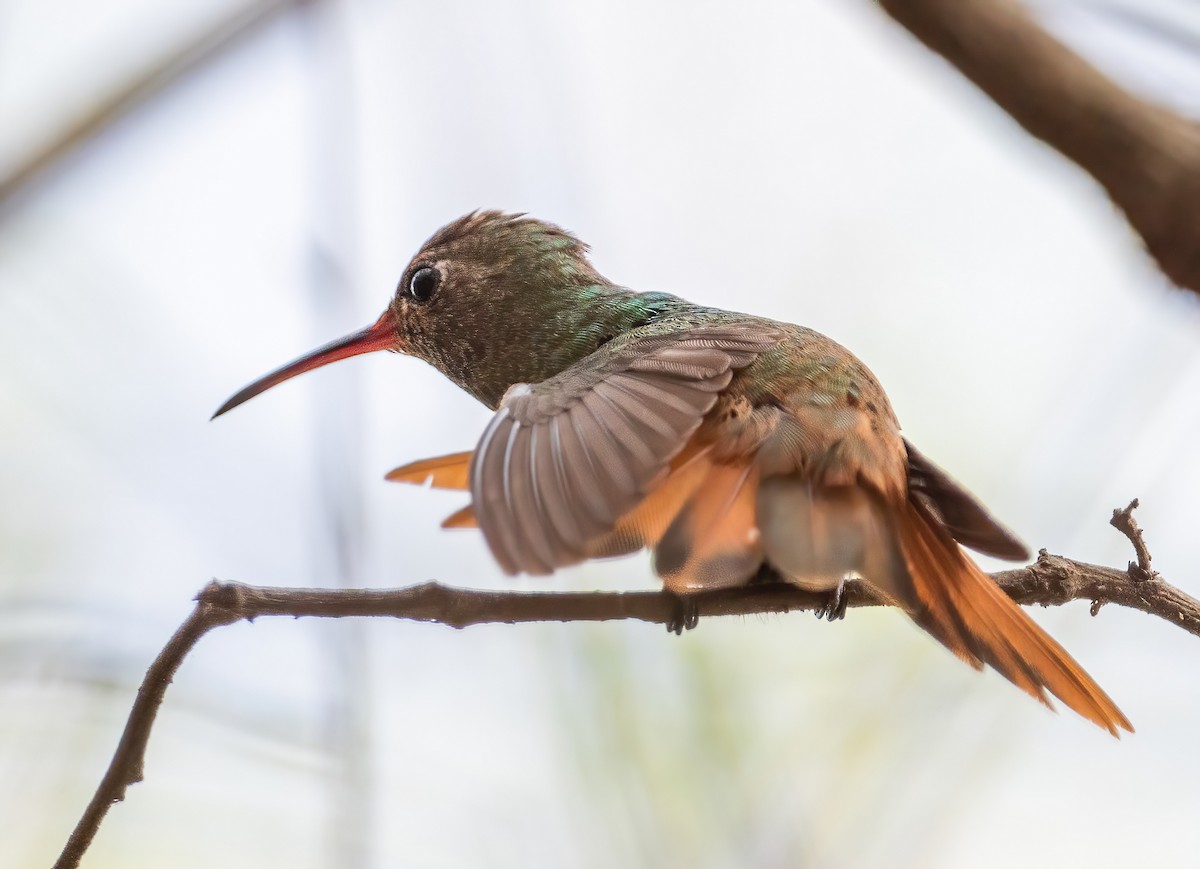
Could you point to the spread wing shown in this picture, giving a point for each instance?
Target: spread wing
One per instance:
(563, 460)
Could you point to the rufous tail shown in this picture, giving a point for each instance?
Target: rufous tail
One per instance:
(442, 472)
(960, 605)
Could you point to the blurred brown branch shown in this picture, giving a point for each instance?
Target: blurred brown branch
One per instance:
(1146, 156)
(156, 78)
(1049, 581)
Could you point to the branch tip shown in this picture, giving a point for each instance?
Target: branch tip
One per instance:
(1123, 521)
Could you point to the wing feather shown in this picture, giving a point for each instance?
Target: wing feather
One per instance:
(622, 429)
(671, 404)
(534, 551)
(565, 461)
(607, 460)
(581, 475)
(488, 488)
(550, 487)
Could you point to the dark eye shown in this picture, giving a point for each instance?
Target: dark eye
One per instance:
(423, 283)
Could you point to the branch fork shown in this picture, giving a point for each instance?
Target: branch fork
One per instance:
(1124, 522)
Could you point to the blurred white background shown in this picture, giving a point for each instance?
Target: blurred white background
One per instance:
(806, 161)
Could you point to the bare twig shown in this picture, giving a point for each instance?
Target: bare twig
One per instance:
(1146, 156)
(1050, 581)
(126, 766)
(1124, 522)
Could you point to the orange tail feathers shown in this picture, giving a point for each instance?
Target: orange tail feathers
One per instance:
(960, 605)
(443, 472)
(464, 518)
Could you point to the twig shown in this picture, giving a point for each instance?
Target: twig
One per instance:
(1124, 522)
(126, 766)
(1146, 156)
(1050, 581)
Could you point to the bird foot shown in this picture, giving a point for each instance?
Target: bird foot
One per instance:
(835, 605)
(685, 616)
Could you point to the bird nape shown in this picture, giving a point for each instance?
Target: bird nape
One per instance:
(721, 441)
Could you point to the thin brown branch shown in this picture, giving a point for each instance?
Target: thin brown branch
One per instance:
(127, 763)
(1146, 156)
(158, 76)
(1050, 581)
(1124, 522)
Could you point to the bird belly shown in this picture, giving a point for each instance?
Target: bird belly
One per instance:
(815, 536)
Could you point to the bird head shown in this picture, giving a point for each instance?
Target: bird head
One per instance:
(490, 299)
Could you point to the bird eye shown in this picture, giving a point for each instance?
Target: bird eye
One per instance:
(423, 283)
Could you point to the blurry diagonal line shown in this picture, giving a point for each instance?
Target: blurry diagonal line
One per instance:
(157, 78)
(1158, 25)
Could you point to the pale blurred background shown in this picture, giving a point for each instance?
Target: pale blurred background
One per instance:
(807, 161)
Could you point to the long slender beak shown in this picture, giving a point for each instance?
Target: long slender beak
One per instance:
(379, 336)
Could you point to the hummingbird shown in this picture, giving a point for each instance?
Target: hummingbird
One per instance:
(731, 445)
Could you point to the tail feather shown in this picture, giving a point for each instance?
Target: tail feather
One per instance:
(960, 605)
(443, 472)
(648, 521)
(966, 520)
(713, 540)
(464, 518)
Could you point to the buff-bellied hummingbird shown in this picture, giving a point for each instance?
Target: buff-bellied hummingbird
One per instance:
(728, 444)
